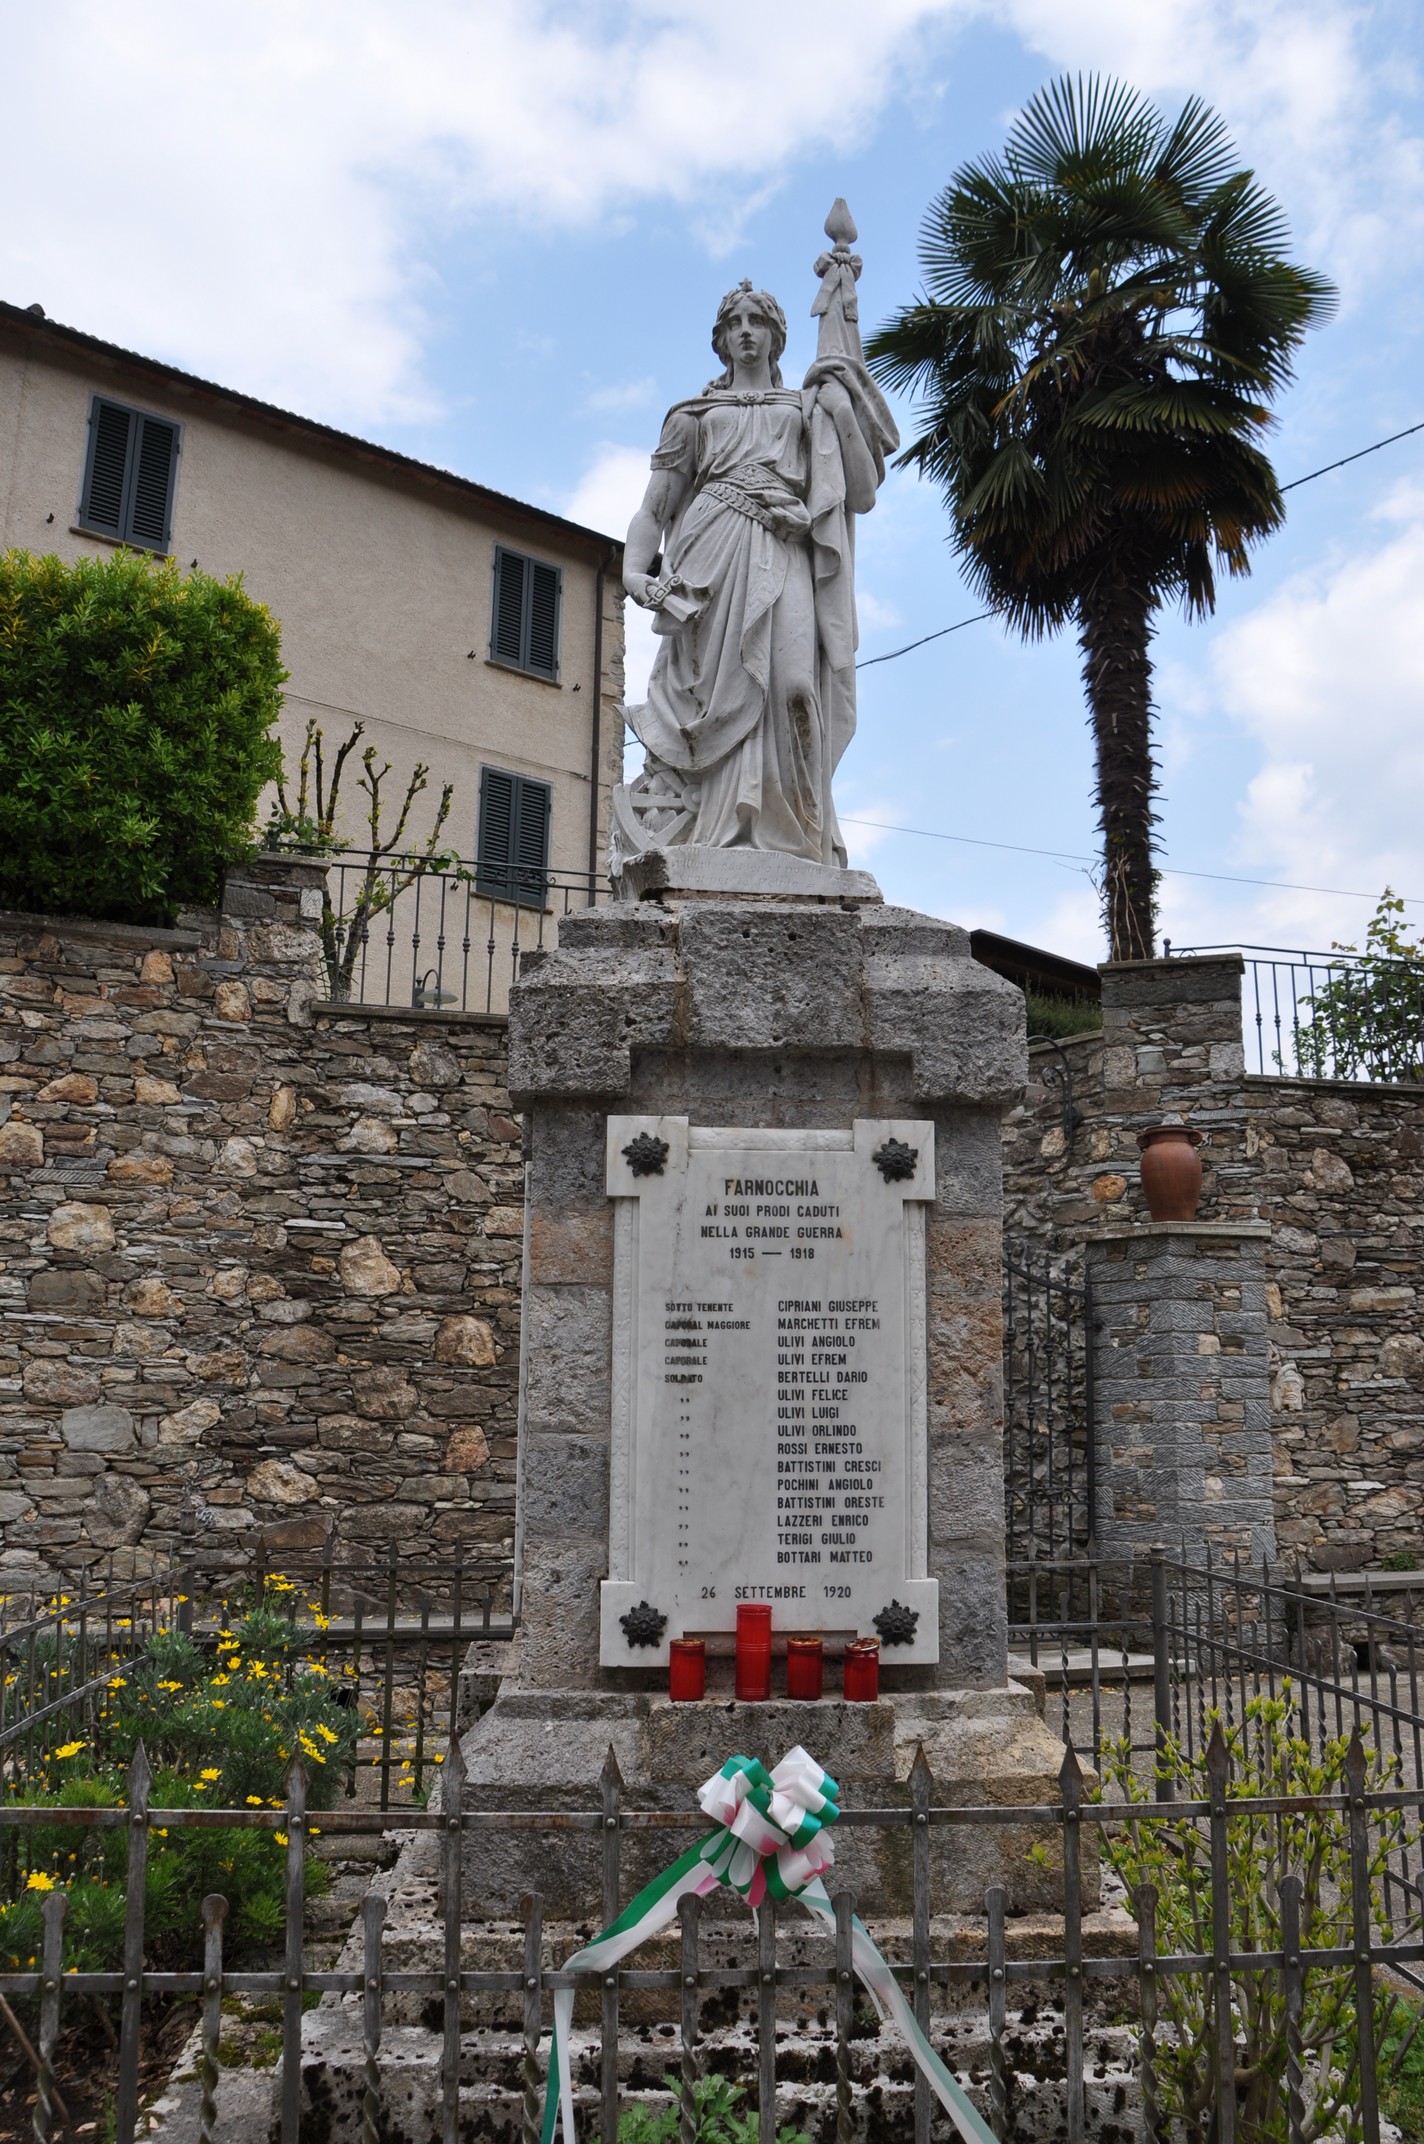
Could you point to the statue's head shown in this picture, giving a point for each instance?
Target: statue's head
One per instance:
(743, 317)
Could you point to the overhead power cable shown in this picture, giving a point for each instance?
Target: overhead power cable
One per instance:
(1070, 856)
(1294, 485)
(1346, 459)
(871, 660)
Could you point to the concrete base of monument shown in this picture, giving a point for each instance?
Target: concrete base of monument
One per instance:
(546, 1749)
(687, 869)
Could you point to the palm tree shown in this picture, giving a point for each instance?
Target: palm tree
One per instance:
(1108, 315)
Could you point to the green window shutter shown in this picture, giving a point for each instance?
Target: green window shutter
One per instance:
(106, 477)
(129, 474)
(494, 849)
(507, 627)
(512, 847)
(152, 494)
(531, 838)
(524, 613)
(542, 653)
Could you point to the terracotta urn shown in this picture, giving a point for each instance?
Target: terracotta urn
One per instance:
(1171, 1171)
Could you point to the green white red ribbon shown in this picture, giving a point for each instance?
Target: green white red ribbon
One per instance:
(771, 1842)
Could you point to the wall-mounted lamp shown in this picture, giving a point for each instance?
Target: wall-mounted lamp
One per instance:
(1070, 1116)
(427, 992)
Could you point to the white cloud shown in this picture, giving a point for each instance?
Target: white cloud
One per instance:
(631, 394)
(876, 616)
(1327, 677)
(258, 191)
(867, 826)
(607, 497)
(248, 189)
(1072, 925)
(1292, 79)
(610, 491)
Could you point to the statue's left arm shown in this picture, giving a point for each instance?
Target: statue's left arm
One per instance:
(864, 429)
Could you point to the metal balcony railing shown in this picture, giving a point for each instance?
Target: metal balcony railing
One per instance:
(1338, 1015)
(447, 940)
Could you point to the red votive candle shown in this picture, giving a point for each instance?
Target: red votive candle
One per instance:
(862, 1671)
(805, 1667)
(687, 1670)
(753, 1651)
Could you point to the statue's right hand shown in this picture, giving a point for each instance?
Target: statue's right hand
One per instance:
(639, 586)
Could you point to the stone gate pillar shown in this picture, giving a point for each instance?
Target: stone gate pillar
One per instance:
(1182, 1388)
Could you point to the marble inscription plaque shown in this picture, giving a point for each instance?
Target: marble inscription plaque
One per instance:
(768, 1436)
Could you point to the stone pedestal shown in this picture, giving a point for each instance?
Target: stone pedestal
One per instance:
(1182, 1400)
(758, 1012)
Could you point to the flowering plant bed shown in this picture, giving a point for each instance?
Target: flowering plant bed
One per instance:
(219, 1722)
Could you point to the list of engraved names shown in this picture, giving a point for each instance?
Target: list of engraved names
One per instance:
(772, 1401)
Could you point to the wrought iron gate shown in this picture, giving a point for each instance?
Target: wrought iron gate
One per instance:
(1050, 1474)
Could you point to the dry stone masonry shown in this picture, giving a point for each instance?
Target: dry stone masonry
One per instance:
(1337, 1171)
(259, 1256)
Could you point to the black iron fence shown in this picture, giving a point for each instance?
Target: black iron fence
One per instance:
(1256, 1810)
(1006, 2000)
(1050, 1484)
(395, 934)
(394, 1634)
(1340, 1015)
(1147, 1657)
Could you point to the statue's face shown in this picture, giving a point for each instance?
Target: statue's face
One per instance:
(747, 335)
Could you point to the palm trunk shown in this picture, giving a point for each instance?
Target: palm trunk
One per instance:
(1114, 633)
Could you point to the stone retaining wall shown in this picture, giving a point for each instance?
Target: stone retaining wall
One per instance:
(259, 1256)
(1336, 1169)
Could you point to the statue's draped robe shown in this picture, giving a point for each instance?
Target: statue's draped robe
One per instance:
(752, 697)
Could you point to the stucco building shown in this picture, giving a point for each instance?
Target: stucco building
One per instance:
(469, 630)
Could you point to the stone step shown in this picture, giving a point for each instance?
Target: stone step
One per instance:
(492, 2082)
(882, 2077)
(414, 1941)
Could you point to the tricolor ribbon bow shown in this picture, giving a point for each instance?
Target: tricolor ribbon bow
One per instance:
(771, 1842)
(774, 1841)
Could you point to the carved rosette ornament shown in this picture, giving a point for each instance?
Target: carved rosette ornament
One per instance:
(646, 1155)
(643, 1625)
(896, 1161)
(896, 1624)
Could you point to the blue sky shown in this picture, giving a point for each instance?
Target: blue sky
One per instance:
(494, 235)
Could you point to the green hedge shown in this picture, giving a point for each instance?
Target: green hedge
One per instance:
(136, 713)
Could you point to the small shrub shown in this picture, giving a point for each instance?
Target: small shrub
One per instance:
(718, 2115)
(1402, 2072)
(234, 1722)
(218, 1732)
(136, 705)
(1061, 1017)
(305, 823)
(1268, 1757)
(1367, 1020)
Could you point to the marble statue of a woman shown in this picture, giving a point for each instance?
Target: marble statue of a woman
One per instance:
(752, 696)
